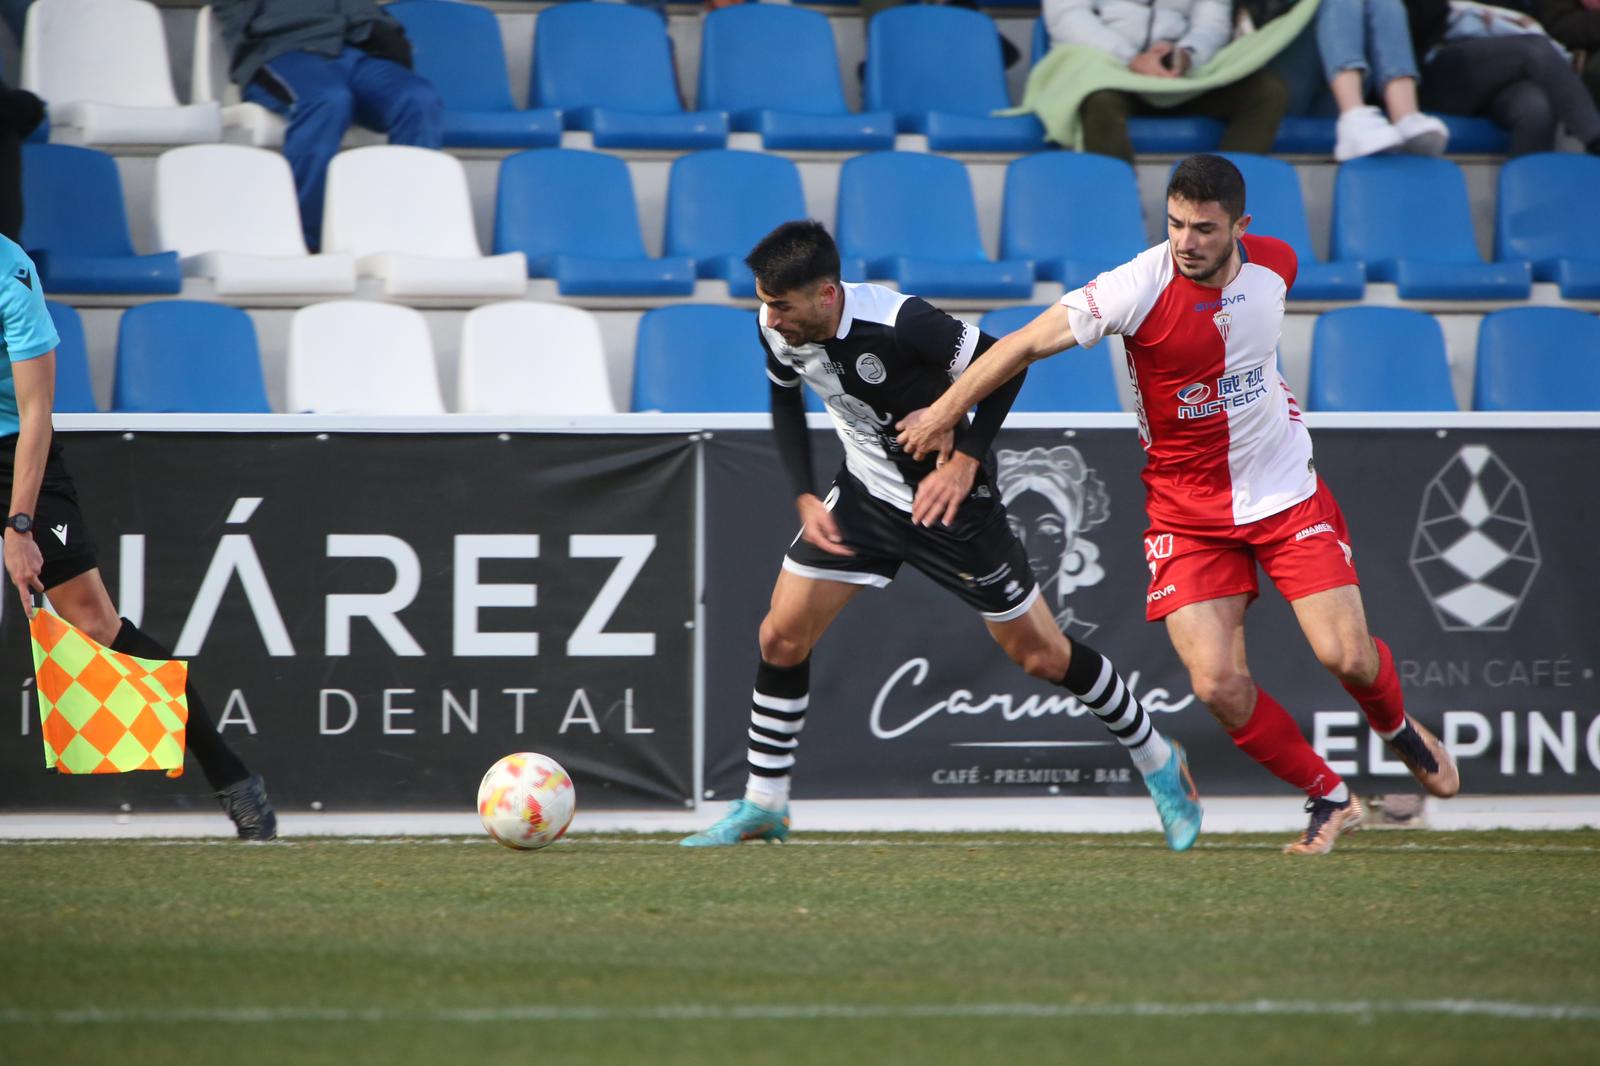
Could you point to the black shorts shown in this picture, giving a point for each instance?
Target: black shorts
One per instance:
(979, 558)
(58, 526)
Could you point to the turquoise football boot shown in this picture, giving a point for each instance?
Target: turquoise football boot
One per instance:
(1177, 801)
(744, 821)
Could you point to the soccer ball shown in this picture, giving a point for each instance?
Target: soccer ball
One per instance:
(526, 801)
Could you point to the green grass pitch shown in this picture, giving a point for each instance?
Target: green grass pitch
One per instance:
(1404, 947)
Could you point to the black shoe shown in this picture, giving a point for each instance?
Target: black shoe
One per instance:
(246, 803)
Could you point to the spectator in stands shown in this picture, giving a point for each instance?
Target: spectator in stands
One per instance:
(1362, 39)
(1166, 40)
(323, 63)
(1524, 82)
(1576, 24)
(20, 114)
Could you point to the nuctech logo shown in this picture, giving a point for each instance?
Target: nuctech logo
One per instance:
(1475, 553)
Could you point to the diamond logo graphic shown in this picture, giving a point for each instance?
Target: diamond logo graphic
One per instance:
(1475, 553)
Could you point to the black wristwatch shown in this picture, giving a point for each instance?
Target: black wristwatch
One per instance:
(22, 523)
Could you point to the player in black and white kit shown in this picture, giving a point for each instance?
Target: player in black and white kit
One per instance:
(875, 355)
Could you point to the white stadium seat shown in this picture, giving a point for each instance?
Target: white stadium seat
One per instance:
(362, 358)
(406, 215)
(522, 358)
(230, 213)
(101, 66)
(242, 122)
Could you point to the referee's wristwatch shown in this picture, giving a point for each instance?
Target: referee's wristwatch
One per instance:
(22, 523)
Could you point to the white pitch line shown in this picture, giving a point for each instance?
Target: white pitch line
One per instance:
(707, 1012)
(1100, 844)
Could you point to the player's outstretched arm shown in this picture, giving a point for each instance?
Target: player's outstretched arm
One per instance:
(1049, 333)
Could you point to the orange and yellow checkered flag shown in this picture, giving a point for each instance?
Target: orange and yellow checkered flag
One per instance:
(105, 712)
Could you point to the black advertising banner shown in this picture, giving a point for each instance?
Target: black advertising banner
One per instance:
(1476, 565)
(375, 618)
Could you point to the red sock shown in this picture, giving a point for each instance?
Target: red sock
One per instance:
(1385, 708)
(1272, 739)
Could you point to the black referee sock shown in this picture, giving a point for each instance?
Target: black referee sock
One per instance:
(777, 714)
(1098, 686)
(217, 761)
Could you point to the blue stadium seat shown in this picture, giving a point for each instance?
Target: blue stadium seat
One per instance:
(1274, 202)
(1078, 379)
(698, 358)
(720, 203)
(74, 387)
(910, 216)
(775, 70)
(1407, 218)
(75, 228)
(1535, 220)
(1379, 359)
(573, 215)
(1538, 359)
(938, 69)
(182, 355)
(1044, 217)
(1471, 135)
(1153, 134)
(458, 48)
(608, 68)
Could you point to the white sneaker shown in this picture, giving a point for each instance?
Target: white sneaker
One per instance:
(1364, 131)
(1423, 134)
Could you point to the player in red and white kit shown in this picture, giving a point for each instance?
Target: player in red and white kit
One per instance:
(1229, 482)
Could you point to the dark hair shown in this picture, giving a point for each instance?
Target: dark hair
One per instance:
(1203, 178)
(794, 255)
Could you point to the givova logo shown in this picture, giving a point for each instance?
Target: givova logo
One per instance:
(1475, 552)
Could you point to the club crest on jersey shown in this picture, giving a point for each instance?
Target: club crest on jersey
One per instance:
(1222, 320)
(871, 369)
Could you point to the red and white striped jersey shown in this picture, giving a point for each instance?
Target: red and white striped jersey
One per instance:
(1226, 445)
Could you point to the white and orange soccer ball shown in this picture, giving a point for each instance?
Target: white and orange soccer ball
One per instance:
(526, 801)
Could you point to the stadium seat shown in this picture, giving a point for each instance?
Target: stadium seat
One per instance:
(1472, 135)
(523, 358)
(242, 122)
(74, 385)
(258, 252)
(362, 358)
(1538, 359)
(458, 48)
(1379, 359)
(1078, 379)
(182, 355)
(102, 67)
(1535, 220)
(938, 70)
(775, 70)
(1043, 218)
(1407, 218)
(910, 216)
(720, 203)
(75, 228)
(1274, 202)
(572, 214)
(406, 215)
(698, 358)
(608, 68)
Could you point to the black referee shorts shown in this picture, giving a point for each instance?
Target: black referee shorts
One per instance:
(58, 526)
(979, 559)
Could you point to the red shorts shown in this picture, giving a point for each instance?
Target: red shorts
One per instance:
(1304, 549)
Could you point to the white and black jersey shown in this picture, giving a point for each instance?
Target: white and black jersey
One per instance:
(892, 355)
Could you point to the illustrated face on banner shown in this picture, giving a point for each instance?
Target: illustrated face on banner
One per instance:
(1052, 498)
